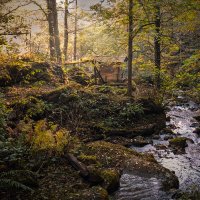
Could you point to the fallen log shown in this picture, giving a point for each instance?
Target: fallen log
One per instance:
(90, 174)
(79, 166)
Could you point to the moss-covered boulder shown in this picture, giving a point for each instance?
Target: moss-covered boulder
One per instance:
(87, 159)
(121, 158)
(167, 131)
(94, 175)
(178, 144)
(111, 179)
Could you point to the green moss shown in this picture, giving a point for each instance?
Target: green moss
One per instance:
(88, 159)
(100, 193)
(78, 75)
(111, 155)
(30, 107)
(111, 179)
(5, 78)
(178, 142)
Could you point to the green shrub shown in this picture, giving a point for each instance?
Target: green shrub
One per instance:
(131, 111)
(3, 115)
(17, 179)
(49, 137)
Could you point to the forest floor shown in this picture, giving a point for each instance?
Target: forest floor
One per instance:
(100, 123)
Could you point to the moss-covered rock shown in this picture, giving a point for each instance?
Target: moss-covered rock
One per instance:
(167, 131)
(88, 159)
(94, 175)
(111, 179)
(192, 193)
(178, 144)
(141, 141)
(119, 157)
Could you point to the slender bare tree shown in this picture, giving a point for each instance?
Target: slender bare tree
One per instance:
(157, 45)
(66, 31)
(51, 30)
(75, 29)
(56, 31)
(54, 38)
(130, 48)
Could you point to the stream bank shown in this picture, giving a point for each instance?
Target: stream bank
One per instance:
(177, 148)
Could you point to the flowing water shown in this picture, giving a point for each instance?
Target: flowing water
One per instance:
(186, 166)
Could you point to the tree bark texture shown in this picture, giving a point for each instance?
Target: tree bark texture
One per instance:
(66, 31)
(157, 45)
(130, 48)
(75, 30)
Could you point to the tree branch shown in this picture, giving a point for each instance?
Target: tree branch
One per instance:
(42, 9)
(14, 9)
(140, 28)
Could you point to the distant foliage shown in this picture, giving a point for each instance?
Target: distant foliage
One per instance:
(188, 77)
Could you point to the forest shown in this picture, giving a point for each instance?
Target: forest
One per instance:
(99, 99)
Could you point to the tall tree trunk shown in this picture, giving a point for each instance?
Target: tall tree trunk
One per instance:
(75, 30)
(130, 48)
(66, 32)
(157, 45)
(51, 30)
(56, 31)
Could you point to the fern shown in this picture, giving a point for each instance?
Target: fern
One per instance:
(11, 184)
(17, 173)
(8, 180)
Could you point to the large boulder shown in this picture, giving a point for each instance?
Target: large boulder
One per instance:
(121, 158)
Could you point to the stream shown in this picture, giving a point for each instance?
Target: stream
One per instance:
(186, 166)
